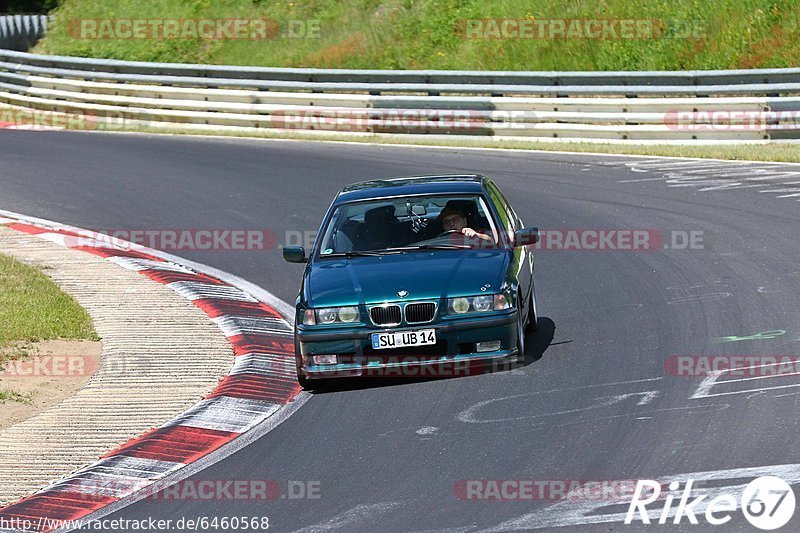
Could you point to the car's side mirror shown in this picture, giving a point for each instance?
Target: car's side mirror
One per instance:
(294, 254)
(526, 236)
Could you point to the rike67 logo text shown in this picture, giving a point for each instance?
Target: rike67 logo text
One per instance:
(767, 502)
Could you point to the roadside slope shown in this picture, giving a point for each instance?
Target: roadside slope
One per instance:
(398, 34)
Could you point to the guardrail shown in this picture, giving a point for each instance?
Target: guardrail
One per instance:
(730, 106)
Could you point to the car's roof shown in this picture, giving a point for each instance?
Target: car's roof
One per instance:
(381, 188)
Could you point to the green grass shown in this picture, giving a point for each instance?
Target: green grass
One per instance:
(33, 308)
(11, 396)
(409, 34)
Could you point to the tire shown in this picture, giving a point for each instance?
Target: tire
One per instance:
(521, 327)
(533, 317)
(304, 382)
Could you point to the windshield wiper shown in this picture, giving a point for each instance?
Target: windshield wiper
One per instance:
(398, 250)
(366, 253)
(434, 247)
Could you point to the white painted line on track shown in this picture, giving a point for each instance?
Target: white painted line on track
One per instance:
(222, 413)
(132, 263)
(713, 379)
(716, 175)
(193, 290)
(239, 325)
(581, 513)
(364, 514)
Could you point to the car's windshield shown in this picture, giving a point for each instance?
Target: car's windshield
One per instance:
(409, 223)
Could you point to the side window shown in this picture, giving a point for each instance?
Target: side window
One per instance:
(507, 218)
(517, 221)
(511, 213)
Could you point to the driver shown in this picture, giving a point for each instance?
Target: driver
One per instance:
(453, 219)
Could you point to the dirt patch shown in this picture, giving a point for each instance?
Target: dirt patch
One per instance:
(336, 54)
(51, 372)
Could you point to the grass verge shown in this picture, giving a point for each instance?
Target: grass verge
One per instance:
(33, 308)
(11, 396)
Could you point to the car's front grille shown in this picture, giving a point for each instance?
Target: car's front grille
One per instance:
(420, 312)
(388, 315)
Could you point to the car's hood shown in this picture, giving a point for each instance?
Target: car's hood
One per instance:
(425, 275)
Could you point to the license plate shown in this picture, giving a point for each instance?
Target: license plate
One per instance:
(402, 339)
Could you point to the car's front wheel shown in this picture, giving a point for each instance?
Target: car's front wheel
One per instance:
(522, 322)
(304, 382)
(533, 317)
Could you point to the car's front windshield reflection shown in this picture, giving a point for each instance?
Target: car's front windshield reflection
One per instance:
(409, 223)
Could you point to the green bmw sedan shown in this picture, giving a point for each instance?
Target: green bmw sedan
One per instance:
(414, 276)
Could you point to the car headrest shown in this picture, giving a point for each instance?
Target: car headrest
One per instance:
(380, 215)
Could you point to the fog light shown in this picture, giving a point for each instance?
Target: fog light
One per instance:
(488, 346)
(324, 359)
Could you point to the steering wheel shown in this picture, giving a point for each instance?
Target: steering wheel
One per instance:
(448, 232)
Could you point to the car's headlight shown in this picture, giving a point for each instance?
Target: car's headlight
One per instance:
(478, 304)
(331, 315)
(348, 314)
(482, 303)
(326, 316)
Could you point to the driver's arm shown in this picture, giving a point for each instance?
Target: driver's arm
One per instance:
(469, 232)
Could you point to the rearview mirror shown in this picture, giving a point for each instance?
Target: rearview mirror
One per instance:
(294, 254)
(526, 236)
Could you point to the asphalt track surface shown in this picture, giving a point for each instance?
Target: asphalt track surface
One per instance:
(592, 402)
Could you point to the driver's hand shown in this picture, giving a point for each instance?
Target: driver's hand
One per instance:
(469, 232)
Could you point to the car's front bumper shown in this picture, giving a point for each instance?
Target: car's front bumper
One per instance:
(456, 355)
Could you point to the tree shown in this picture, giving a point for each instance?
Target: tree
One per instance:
(11, 7)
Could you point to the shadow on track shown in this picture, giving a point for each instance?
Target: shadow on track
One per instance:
(535, 346)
